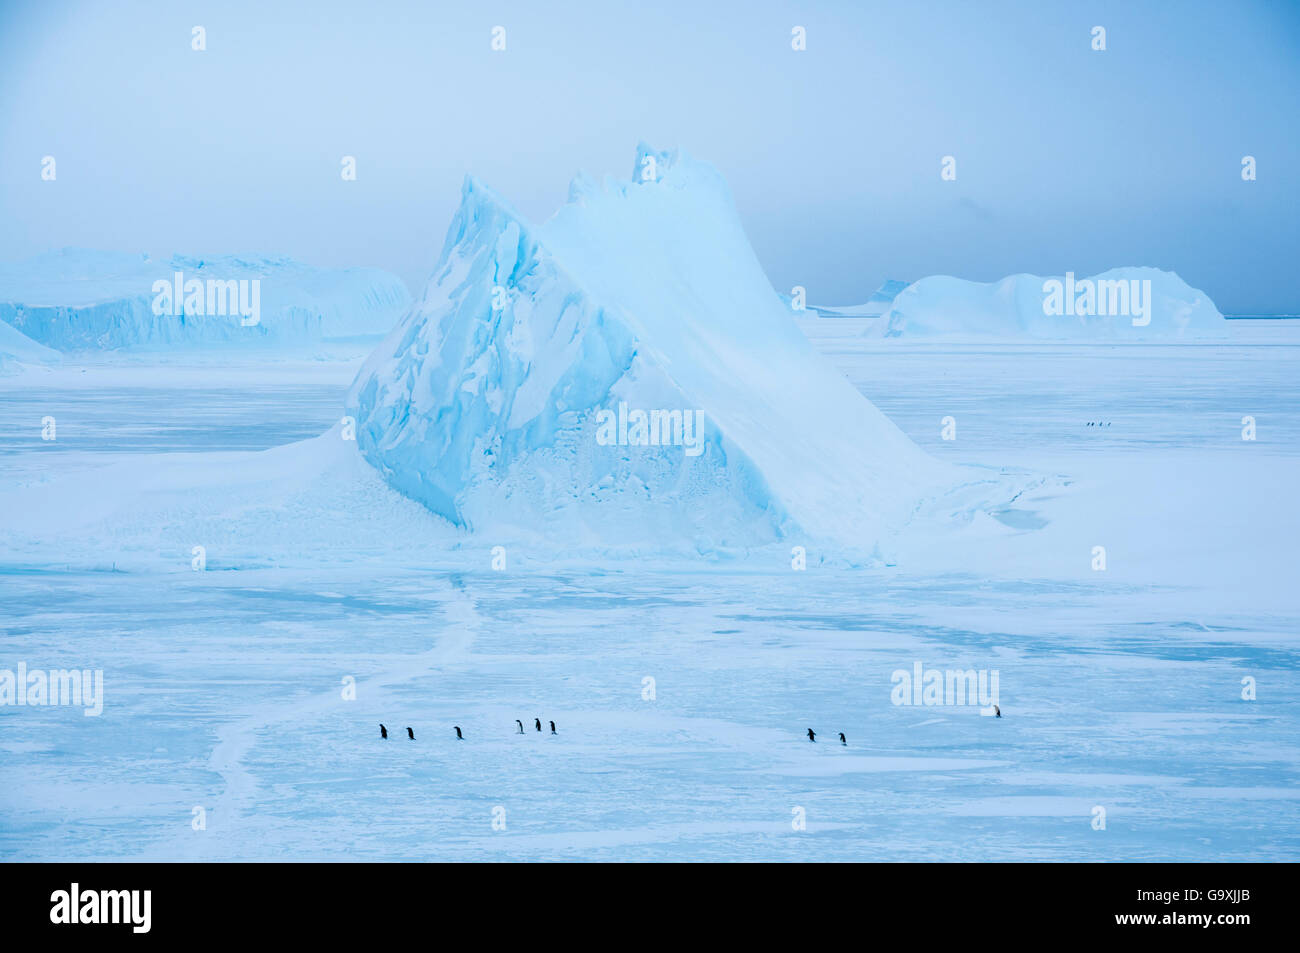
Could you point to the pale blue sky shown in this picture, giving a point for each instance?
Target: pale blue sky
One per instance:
(1067, 159)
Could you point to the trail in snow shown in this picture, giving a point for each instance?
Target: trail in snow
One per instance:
(238, 737)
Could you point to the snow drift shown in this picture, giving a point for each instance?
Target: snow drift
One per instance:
(17, 349)
(1137, 304)
(488, 403)
(79, 299)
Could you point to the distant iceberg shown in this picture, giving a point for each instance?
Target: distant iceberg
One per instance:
(1123, 304)
(509, 396)
(875, 306)
(79, 299)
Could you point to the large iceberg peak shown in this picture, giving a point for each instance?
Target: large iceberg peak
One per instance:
(651, 164)
(483, 216)
(675, 169)
(509, 399)
(655, 173)
(482, 207)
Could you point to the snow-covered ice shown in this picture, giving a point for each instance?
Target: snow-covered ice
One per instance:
(17, 349)
(261, 590)
(223, 688)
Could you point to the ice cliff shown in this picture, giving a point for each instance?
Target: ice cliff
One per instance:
(79, 299)
(508, 396)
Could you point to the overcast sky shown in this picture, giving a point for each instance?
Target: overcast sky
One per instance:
(1066, 158)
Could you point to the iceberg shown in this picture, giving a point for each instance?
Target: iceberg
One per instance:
(874, 307)
(79, 299)
(536, 384)
(1123, 304)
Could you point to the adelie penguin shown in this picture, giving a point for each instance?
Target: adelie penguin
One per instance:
(538, 723)
(552, 727)
(409, 733)
(997, 712)
(383, 732)
(812, 735)
(459, 736)
(843, 740)
(520, 724)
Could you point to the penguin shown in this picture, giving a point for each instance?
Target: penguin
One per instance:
(459, 736)
(812, 736)
(552, 727)
(997, 712)
(409, 733)
(538, 723)
(520, 724)
(383, 732)
(843, 741)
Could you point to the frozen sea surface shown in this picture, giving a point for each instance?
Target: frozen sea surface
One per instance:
(1119, 690)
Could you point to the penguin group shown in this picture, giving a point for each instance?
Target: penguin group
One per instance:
(383, 732)
(1098, 424)
(537, 724)
(812, 736)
